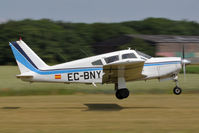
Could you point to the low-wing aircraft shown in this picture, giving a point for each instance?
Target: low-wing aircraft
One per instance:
(116, 67)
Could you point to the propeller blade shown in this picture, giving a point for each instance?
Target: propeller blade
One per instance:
(183, 53)
(184, 69)
(183, 61)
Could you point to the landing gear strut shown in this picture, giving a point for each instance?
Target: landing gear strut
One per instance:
(177, 90)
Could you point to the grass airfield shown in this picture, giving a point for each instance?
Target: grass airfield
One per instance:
(63, 108)
(100, 113)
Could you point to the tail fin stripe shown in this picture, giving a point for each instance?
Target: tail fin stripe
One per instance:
(16, 45)
(20, 58)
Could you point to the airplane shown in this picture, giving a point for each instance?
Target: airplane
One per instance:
(111, 68)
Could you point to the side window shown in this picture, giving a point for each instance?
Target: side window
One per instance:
(112, 59)
(127, 56)
(97, 62)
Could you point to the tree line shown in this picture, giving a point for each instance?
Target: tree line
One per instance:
(57, 41)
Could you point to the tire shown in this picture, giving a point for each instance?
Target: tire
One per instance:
(122, 93)
(117, 94)
(177, 90)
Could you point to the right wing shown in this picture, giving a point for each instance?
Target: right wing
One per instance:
(131, 71)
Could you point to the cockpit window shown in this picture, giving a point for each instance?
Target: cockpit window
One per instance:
(112, 59)
(127, 56)
(97, 62)
(143, 55)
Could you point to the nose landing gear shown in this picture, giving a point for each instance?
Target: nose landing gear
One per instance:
(177, 90)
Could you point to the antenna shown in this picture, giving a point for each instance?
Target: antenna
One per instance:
(84, 52)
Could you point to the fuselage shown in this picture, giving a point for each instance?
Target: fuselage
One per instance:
(90, 69)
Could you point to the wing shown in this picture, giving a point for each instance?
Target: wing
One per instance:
(130, 70)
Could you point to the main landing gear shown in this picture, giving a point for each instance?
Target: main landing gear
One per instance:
(177, 90)
(121, 91)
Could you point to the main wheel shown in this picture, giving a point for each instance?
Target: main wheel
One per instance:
(122, 93)
(117, 94)
(177, 90)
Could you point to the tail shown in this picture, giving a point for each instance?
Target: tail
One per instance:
(26, 59)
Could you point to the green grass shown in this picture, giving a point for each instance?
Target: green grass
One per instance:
(194, 69)
(11, 86)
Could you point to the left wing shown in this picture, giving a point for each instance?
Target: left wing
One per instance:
(130, 70)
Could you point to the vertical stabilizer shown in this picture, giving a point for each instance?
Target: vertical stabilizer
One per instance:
(26, 58)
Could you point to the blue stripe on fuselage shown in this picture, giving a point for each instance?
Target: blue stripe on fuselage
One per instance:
(162, 63)
(19, 57)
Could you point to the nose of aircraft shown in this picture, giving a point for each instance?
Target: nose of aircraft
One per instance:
(185, 61)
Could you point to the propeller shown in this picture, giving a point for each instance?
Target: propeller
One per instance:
(184, 61)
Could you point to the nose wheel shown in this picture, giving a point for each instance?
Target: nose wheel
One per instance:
(177, 90)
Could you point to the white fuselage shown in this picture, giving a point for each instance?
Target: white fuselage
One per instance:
(84, 71)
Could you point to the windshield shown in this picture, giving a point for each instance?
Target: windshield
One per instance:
(143, 55)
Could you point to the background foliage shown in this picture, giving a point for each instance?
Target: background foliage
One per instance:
(57, 42)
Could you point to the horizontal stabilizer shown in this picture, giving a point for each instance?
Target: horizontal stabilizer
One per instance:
(24, 76)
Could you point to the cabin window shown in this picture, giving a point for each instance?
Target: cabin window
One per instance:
(127, 56)
(112, 59)
(97, 62)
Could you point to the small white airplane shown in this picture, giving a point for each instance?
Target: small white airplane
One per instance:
(116, 67)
